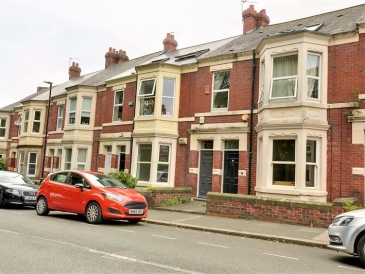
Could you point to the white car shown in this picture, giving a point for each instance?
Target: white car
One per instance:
(347, 233)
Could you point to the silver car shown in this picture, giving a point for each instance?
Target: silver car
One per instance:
(347, 233)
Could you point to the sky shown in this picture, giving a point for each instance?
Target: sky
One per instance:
(39, 39)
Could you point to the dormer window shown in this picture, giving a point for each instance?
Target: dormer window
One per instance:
(146, 94)
(285, 77)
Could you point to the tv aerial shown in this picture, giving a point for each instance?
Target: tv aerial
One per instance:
(244, 1)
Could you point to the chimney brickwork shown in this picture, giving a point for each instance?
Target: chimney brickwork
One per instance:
(253, 20)
(114, 57)
(169, 43)
(74, 71)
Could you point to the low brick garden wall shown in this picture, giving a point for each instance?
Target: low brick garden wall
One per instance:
(157, 196)
(274, 210)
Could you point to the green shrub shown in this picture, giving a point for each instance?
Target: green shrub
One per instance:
(174, 201)
(351, 205)
(125, 178)
(2, 164)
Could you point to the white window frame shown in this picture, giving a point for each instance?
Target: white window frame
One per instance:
(21, 162)
(139, 162)
(72, 112)
(117, 105)
(262, 91)
(85, 110)
(165, 112)
(294, 77)
(3, 127)
(32, 163)
(81, 162)
(36, 121)
(60, 111)
(314, 77)
(145, 96)
(217, 91)
(315, 164)
(26, 121)
(68, 161)
(272, 163)
(163, 163)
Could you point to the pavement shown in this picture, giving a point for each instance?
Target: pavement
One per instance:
(192, 215)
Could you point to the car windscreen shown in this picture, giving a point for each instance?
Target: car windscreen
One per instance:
(102, 180)
(15, 178)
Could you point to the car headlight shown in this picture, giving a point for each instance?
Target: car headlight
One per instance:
(342, 221)
(13, 191)
(113, 197)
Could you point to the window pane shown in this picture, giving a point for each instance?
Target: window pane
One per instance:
(118, 113)
(164, 154)
(147, 87)
(167, 106)
(220, 100)
(312, 88)
(32, 157)
(143, 172)
(283, 173)
(284, 87)
(147, 106)
(207, 145)
(313, 65)
(118, 100)
(284, 150)
(232, 144)
(68, 155)
(145, 152)
(309, 175)
(2, 132)
(86, 104)
(221, 80)
(81, 157)
(37, 115)
(311, 151)
(36, 127)
(168, 87)
(2, 122)
(162, 173)
(285, 66)
(72, 118)
(73, 104)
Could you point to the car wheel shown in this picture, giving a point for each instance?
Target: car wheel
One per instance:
(2, 203)
(134, 221)
(360, 249)
(42, 206)
(93, 213)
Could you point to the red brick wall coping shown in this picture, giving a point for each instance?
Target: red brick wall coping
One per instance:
(274, 210)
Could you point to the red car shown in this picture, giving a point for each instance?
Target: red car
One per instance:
(95, 195)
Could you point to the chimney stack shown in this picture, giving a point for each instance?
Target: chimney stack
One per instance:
(253, 20)
(41, 89)
(169, 43)
(114, 57)
(74, 71)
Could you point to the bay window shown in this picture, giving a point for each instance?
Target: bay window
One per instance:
(220, 89)
(85, 111)
(36, 121)
(118, 105)
(146, 94)
(2, 127)
(284, 76)
(68, 158)
(81, 158)
(313, 62)
(32, 163)
(144, 162)
(163, 163)
(168, 91)
(72, 111)
(283, 162)
(26, 120)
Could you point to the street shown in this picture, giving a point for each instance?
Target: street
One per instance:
(65, 243)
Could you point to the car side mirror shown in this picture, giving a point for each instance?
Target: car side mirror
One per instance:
(80, 186)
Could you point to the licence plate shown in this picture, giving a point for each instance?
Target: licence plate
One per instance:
(136, 211)
(32, 198)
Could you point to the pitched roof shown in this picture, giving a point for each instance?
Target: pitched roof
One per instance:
(332, 23)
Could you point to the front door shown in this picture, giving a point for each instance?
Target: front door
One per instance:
(230, 181)
(205, 173)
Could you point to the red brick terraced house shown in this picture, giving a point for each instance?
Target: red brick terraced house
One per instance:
(274, 112)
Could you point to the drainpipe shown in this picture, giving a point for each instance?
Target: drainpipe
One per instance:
(134, 116)
(250, 153)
